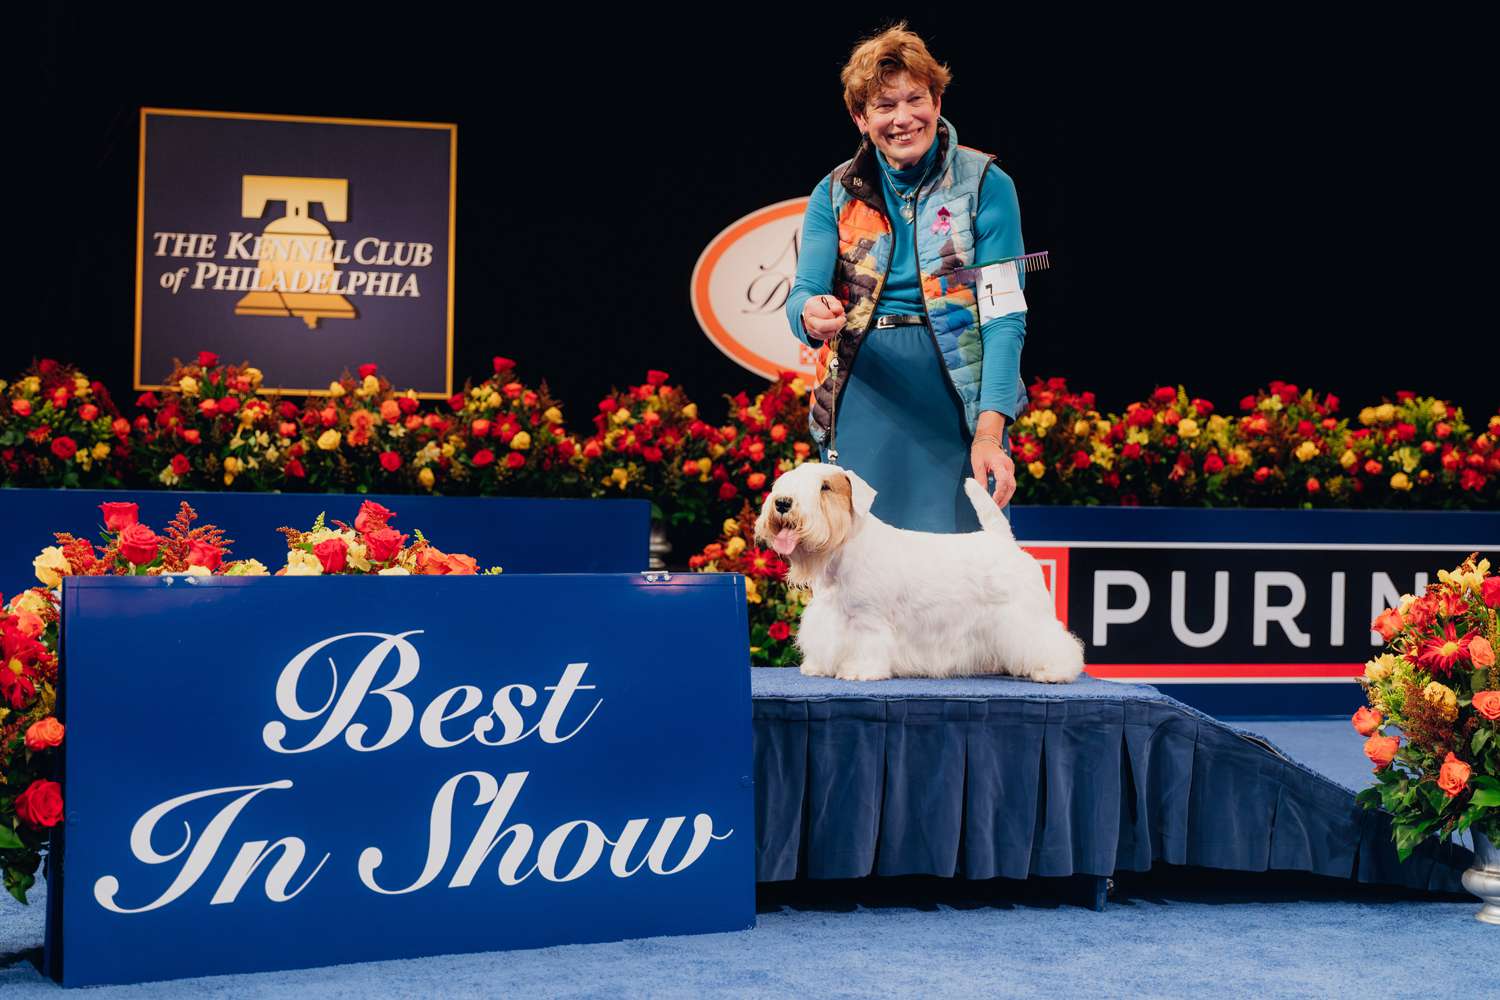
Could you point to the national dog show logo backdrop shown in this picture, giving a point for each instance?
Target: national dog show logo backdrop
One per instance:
(300, 242)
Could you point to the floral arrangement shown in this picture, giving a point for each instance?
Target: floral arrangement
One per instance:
(775, 606)
(30, 797)
(130, 548)
(60, 428)
(369, 546)
(1438, 687)
(650, 443)
(506, 438)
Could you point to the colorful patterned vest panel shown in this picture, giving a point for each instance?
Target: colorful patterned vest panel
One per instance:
(945, 211)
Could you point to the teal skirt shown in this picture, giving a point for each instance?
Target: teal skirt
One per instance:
(901, 427)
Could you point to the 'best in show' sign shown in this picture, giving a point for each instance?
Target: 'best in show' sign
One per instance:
(276, 773)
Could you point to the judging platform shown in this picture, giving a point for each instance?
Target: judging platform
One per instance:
(985, 777)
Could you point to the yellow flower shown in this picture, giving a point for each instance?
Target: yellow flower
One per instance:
(1103, 427)
(101, 451)
(1188, 428)
(798, 385)
(1045, 419)
(619, 477)
(520, 442)
(1400, 481)
(1439, 410)
(30, 386)
(731, 526)
(1385, 413)
(553, 415)
(335, 389)
(1217, 424)
(80, 385)
(232, 465)
(752, 595)
(492, 401)
(426, 478)
(1241, 455)
(1137, 435)
(228, 479)
(620, 416)
(255, 377)
(734, 546)
(1442, 697)
(188, 386)
(448, 449)
(28, 600)
(394, 571)
(329, 440)
(303, 563)
(357, 557)
(1271, 404)
(247, 567)
(1410, 458)
(704, 465)
(1081, 427)
(690, 411)
(1306, 451)
(199, 571)
(1380, 668)
(1347, 459)
(1037, 470)
(51, 566)
(1367, 416)
(370, 386)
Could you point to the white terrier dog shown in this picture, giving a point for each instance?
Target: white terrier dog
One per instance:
(888, 602)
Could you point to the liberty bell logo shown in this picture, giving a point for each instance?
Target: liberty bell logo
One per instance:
(295, 273)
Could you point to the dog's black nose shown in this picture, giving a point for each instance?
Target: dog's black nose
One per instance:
(783, 504)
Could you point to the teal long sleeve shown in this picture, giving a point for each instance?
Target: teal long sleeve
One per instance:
(997, 235)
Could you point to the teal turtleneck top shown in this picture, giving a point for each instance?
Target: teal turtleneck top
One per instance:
(997, 235)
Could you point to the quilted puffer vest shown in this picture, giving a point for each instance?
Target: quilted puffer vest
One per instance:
(945, 211)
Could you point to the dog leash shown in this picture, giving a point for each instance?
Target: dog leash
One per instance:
(833, 398)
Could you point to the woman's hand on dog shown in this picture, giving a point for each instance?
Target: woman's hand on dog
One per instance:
(823, 317)
(989, 459)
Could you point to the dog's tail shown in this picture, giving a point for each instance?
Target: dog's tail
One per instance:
(990, 518)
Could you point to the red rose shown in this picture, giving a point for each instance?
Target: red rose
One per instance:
(1490, 591)
(60, 397)
(1453, 777)
(18, 689)
(480, 428)
(192, 436)
(1140, 417)
(1382, 750)
(88, 411)
(512, 390)
(1081, 460)
(779, 631)
(41, 805)
(1248, 403)
(139, 544)
(1131, 450)
(64, 447)
(1262, 474)
(119, 516)
(407, 404)
(456, 401)
(371, 516)
(592, 450)
(1373, 467)
(120, 426)
(1366, 722)
(727, 491)
(365, 371)
(1332, 402)
(295, 470)
(655, 377)
(208, 407)
(207, 359)
(482, 457)
(180, 464)
(503, 364)
(1164, 394)
(651, 453)
(383, 544)
(755, 480)
(228, 404)
(44, 734)
(1171, 418)
(21, 407)
(333, 553)
(390, 461)
(1313, 486)
(1388, 623)
(515, 460)
(201, 553)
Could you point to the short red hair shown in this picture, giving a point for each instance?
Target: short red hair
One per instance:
(877, 59)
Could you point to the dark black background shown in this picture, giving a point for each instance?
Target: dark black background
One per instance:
(1228, 198)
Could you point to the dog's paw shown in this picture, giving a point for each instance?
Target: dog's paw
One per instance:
(812, 668)
(1055, 676)
(857, 672)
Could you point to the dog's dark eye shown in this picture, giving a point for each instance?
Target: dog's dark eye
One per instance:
(826, 487)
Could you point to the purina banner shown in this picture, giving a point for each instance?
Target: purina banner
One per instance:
(1242, 612)
(298, 242)
(277, 773)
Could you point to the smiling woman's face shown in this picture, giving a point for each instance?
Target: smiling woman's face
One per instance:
(901, 120)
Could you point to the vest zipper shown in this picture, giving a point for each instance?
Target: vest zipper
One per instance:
(963, 411)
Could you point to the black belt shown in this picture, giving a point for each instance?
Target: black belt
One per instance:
(886, 322)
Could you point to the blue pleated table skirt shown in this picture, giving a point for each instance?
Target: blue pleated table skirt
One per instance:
(901, 428)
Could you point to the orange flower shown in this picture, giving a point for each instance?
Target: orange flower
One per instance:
(43, 734)
(1454, 776)
(1487, 704)
(1382, 750)
(1366, 722)
(1388, 623)
(1481, 652)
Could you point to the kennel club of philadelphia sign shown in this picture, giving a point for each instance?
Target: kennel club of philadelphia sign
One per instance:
(397, 773)
(306, 245)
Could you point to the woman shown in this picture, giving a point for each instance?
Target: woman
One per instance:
(914, 392)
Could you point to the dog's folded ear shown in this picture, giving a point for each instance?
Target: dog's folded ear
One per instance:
(863, 494)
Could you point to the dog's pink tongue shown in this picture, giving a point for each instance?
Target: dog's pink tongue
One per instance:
(785, 541)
